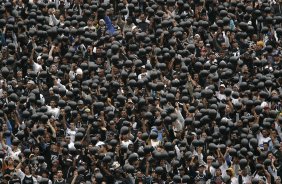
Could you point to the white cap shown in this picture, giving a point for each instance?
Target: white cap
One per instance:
(222, 85)
(79, 71)
(133, 27)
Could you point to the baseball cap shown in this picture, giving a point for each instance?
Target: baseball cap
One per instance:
(30, 82)
(222, 85)
(129, 101)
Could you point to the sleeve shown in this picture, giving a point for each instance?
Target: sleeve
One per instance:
(226, 40)
(278, 128)
(9, 126)
(20, 174)
(109, 25)
(55, 20)
(34, 180)
(180, 118)
(273, 172)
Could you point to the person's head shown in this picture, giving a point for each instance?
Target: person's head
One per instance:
(228, 109)
(62, 18)
(90, 22)
(221, 88)
(19, 74)
(67, 139)
(278, 179)
(201, 168)
(209, 159)
(223, 46)
(142, 17)
(211, 56)
(101, 23)
(265, 146)
(27, 170)
(10, 161)
(230, 172)
(36, 150)
(264, 133)
(201, 44)
(30, 85)
(53, 103)
(72, 126)
(259, 45)
(59, 174)
(218, 172)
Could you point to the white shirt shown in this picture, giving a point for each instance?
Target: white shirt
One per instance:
(234, 180)
(223, 169)
(71, 133)
(126, 143)
(221, 96)
(55, 111)
(247, 179)
(37, 67)
(262, 139)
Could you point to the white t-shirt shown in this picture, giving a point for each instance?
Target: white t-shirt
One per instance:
(37, 67)
(71, 133)
(234, 180)
(246, 179)
(221, 96)
(262, 139)
(223, 169)
(126, 143)
(55, 111)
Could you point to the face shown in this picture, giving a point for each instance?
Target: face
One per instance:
(59, 174)
(201, 44)
(27, 170)
(10, 161)
(72, 127)
(52, 104)
(264, 133)
(218, 172)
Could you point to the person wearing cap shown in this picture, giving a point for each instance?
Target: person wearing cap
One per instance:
(220, 94)
(203, 175)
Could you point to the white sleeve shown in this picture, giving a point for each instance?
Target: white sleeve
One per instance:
(34, 180)
(278, 128)
(177, 150)
(21, 175)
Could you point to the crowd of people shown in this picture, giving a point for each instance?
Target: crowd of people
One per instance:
(140, 91)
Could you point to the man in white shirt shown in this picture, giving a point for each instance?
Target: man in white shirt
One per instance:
(53, 109)
(71, 132)
(263, 137)
(220, 94)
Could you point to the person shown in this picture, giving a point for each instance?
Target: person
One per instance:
(59, 177)
(230, 172)
(26, 176)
